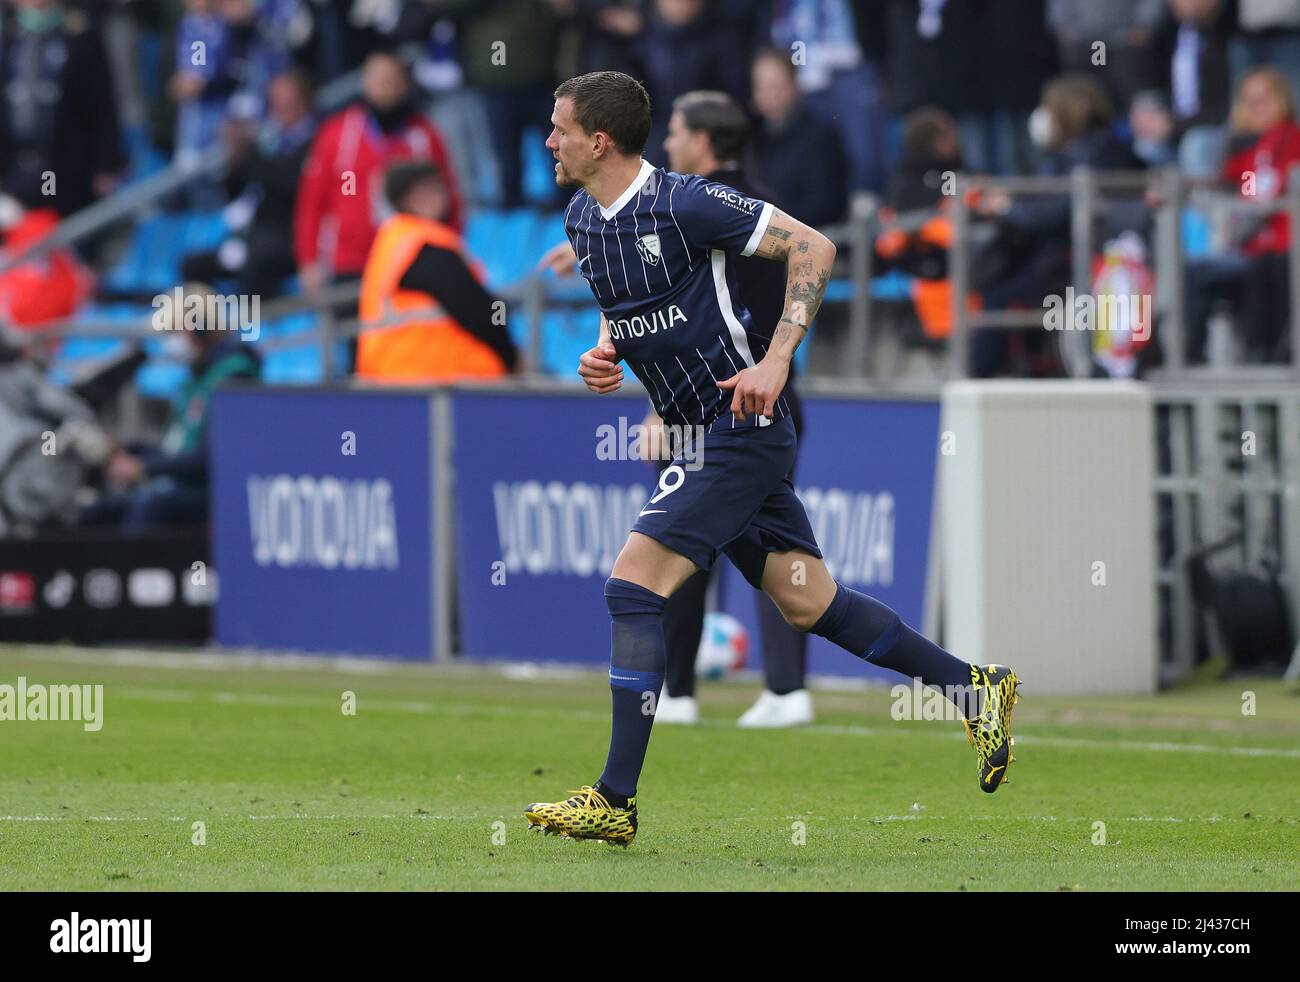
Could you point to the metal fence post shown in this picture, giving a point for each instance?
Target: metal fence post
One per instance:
(1293, 264)
(861, 217)
(325, 328)
(959, 271)
(534, 308)
(1083, 195)
(1170, 266)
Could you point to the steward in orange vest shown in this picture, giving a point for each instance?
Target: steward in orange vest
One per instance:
(450, 327)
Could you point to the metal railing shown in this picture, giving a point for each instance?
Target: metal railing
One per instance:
(1089, 192)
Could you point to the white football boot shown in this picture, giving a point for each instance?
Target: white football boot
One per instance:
(677, 709)
(773, 711)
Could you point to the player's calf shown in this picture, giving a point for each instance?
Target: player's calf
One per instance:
(871, 630)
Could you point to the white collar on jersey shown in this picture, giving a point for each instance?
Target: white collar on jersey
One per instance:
(642, 176)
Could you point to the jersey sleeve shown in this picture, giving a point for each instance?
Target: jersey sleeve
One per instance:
(714, 216)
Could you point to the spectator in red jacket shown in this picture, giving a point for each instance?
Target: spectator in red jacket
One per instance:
(340, 198)
(1253, 276)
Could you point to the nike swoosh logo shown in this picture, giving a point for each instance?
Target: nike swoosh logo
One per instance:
(583, 260)
(654, 511)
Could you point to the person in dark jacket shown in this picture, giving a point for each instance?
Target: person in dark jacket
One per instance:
(507, 51)
(796, 152)
(1073, 128)
(932, 149)
(263, 181)
(1192, 51)
(604, 33)
(836, 46)
(59, 138)
(167, 485)
(982, 61)
(686, 47)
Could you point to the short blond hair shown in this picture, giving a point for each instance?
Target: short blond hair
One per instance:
(1276, 81)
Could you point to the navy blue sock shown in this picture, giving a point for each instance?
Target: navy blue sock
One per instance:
(867, 628)
(637, 662)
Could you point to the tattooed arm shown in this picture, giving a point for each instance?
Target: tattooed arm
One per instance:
(808, 256)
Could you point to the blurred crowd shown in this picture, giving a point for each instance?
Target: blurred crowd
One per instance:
(844, 95)
(885, 96)
(838, 75)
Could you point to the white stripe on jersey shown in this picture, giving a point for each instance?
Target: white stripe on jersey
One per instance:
(587, 212)
(636, 231)
(689, 265)
(670, 390)
(734, 371)
(572, 201)
(764, 219)
(712, 376)
(659, 399)
(692, 384)
(605, 255)
(618, 243)
(734, 327)
(664, 263)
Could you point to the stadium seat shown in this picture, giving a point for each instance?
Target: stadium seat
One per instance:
(566, 334)
(152, 260)
(1197, 234)
(894, 286)
(504, 242)
(293, 366)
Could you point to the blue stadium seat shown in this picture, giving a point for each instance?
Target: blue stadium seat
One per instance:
(143, 158)
(152, 260)
(839, 291)
(894, 285)
(1196, 234)
(293, 366)
(566, 334)
(505, 242)
(539, 167)
(161, 379)
(549, 231)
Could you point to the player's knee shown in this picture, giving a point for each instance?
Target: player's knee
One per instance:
(799, 614)
(627, 599)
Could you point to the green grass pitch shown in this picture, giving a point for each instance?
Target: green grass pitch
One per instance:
(423, 787)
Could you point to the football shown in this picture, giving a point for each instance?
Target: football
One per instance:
(724, 646)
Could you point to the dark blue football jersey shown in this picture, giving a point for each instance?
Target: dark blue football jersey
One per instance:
(660, 262)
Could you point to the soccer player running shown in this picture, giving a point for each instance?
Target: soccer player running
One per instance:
(653, 246)
(708, 134)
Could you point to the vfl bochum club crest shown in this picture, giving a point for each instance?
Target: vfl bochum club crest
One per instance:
(648, 246)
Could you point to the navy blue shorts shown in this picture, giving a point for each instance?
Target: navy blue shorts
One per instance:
(740, 501)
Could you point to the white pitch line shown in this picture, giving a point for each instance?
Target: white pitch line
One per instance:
(1081, 819)
(1141, 746)
(228, 660)
(1134, 746)
(242, 818)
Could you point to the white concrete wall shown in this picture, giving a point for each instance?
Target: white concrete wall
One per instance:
(1044, 480)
